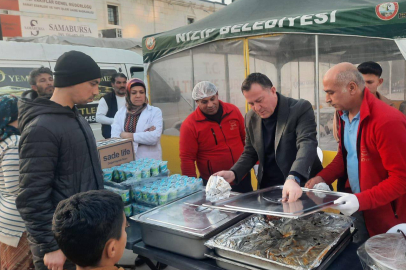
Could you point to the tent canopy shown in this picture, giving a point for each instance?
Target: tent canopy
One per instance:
(369, 18)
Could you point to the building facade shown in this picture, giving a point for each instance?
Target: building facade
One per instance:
(99, 18)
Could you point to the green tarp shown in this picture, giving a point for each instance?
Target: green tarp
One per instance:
(369, 18)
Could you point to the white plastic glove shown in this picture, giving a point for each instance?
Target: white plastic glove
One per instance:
(347, 204)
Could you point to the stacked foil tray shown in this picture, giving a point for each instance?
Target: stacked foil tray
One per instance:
(283, 243)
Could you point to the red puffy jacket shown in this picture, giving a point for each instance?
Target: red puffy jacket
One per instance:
(212, 146)
(381, 148)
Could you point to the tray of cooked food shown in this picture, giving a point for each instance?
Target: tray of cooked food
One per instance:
(283, 243)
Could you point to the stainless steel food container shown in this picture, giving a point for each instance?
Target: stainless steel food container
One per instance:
(268, 201)
(183, 226)
(323, 260)
(233, 265)
(384, 252)
(241, 265)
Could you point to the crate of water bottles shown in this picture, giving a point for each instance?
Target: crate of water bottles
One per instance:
(165, 190)
(136, 170)
(124, 189)
(140, 196)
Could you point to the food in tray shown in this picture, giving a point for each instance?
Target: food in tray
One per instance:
(301, 242)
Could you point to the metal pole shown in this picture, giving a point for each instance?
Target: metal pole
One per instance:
(227, 77)
(298, 78)
(193, 76)
(316, 41)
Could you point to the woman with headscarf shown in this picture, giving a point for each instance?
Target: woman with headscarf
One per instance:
(14, 249)
(139, 121)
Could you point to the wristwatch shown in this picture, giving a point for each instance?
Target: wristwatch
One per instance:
(292, 177)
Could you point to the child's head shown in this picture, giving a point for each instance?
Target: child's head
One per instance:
(371, 72)
(89, 228)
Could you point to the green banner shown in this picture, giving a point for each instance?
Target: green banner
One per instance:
(250, 18)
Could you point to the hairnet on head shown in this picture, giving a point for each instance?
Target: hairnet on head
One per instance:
(203, 90)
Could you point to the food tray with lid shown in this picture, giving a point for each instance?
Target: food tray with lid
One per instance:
(268, 201)
(183, 226)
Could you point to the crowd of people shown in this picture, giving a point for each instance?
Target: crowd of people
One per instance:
(54, 213)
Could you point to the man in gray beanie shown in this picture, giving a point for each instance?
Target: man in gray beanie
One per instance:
(58, 154)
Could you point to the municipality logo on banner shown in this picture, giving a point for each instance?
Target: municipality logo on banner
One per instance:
(150, 43)
(387, 11)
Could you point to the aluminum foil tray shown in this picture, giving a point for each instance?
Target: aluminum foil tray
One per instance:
(300, 244)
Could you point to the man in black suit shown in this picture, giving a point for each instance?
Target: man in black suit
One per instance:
(281, 134)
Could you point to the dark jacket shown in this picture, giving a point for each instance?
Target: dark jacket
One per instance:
(295, 141)
(58, 158)
(30, 94)
(111, 102)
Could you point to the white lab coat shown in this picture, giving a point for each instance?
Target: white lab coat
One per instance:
(146, 144)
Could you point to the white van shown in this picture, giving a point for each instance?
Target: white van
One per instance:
(17, 59)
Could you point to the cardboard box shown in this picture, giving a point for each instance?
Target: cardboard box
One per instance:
(114, 152)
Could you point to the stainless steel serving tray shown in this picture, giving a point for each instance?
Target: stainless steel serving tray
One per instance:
(238, 265)
(323, 259)
(184, 225)
(241, 265)
(268, 202)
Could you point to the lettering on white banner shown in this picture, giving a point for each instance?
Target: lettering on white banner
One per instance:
(71, 8)
(33, 27)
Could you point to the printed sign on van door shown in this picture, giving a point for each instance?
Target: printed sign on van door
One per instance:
(14, 80)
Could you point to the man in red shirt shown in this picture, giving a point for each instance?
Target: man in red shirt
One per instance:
(213, 136)
(370, 154)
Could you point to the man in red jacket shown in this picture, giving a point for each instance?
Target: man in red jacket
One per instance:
(371, 152)
(213, 136)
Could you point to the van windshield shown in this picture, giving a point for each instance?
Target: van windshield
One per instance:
(137, 72)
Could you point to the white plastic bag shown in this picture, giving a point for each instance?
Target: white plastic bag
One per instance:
(217, 188)
(321, 186)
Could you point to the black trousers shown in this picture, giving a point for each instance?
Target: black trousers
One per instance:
(362, 234)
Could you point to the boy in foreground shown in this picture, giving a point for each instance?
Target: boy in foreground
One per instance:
(89, 228)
